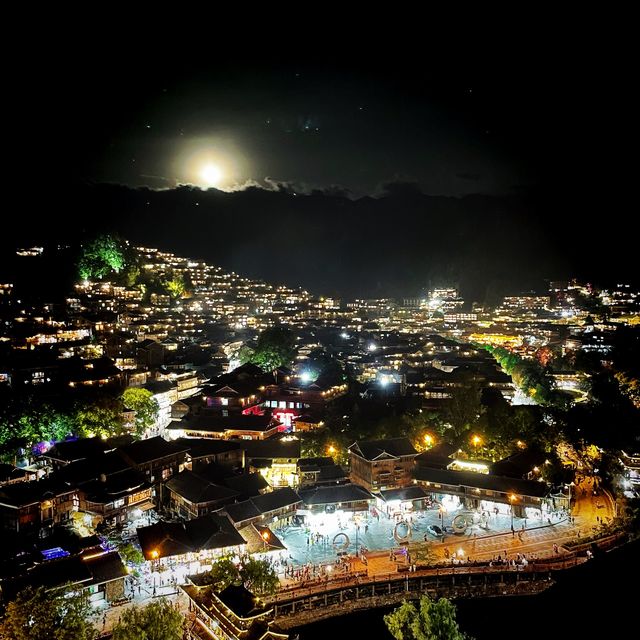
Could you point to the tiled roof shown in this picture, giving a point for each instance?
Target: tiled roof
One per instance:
(374, 449)
(156, 448)
(333, 494)
(474, 480)
(213, 531)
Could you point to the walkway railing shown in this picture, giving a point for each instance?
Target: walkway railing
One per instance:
(361, 579)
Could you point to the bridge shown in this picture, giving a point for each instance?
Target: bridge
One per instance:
(298, 606)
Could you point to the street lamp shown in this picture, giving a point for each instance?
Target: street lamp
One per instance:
(512, 499)
(428, 440)
(476, 441)
(265, 538)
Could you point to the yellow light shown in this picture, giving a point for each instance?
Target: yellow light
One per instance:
(331, 449)
(210, 174)
(428, 439)
(154, 553)
(265, 535)
(476, 440)
(512, 497)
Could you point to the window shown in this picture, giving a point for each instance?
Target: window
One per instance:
(224, 402)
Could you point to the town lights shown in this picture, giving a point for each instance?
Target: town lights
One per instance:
(428, 439)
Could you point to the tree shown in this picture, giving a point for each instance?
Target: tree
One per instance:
(145, 405)
(27, 422)
(463, 408)
(431, 620)
(61, 614)
(223, 573)
(157, 621)
(275, 348)
(101, 257)
(131, 553)
(259, 576)
(103, 417)
(175, 286)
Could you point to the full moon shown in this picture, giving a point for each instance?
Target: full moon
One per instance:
(211, 174)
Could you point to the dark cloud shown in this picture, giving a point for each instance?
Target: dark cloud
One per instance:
(469, 176)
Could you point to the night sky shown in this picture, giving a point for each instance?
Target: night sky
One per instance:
(392, 171)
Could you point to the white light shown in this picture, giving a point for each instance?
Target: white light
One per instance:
(305, 376)
(210, 174)
(372, 347)
(344, 335)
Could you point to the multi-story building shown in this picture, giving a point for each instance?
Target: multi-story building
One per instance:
(382, 464)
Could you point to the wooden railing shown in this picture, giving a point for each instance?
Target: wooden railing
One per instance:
(367, 586)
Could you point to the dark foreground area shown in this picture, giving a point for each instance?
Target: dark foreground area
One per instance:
(597, 597)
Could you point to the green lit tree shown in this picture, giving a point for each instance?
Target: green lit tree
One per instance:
(101, 257)
(145, 405)
(60, 614)
(100, 418)
(259, 576)
(275, 348)
(130, 553)
(175, 286)
(40, 423)
(223, 573)
(159, 620)
(430, 620)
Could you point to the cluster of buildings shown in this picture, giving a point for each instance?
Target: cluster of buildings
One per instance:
(223, 465)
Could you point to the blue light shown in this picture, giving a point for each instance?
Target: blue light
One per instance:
(52, 554)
